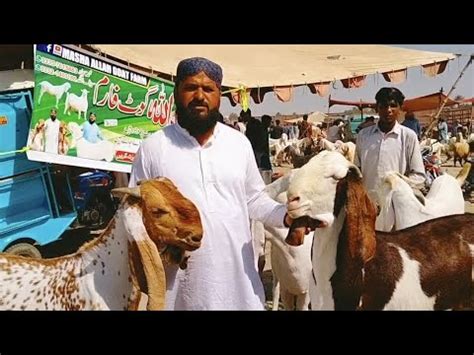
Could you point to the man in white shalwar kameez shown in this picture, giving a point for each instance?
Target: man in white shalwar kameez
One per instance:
(51, 133)
(214, 166)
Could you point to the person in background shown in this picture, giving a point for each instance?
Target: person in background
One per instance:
(335, 131)
(369, 121)
(388, 146)
(442, 130)
(413, 123)
(91, 131)
(276, 130)
(51, 133)
(305, 128)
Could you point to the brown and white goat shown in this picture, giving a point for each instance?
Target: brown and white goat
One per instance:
(110, 272)
(427, 266)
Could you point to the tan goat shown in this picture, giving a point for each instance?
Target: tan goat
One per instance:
(110, 272)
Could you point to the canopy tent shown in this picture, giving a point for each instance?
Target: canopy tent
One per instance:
(260, 69)
(314, 117)
(426, 102)
(359, 104)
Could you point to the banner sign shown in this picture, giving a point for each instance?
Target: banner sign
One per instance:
(92, 112)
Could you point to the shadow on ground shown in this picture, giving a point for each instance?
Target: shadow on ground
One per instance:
(69, 243)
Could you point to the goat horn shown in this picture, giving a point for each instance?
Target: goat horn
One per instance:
(463, 174)
(133, 191)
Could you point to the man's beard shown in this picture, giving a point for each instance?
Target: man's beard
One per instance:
(91, 121)
(195, 125)
(53, 118)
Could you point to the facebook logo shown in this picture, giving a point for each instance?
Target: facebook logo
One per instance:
(44, 47)
(50, 48)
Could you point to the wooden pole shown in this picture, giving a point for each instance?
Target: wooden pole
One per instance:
(435, 120)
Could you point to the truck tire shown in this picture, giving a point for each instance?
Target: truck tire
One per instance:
(24, 249)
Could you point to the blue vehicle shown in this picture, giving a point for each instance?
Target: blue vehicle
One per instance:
(30, 213)
(94, 203)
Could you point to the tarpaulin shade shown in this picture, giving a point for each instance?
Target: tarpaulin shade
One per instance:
(270, 67)
(426, 102)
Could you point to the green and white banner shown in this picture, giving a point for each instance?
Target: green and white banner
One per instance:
(71, 83)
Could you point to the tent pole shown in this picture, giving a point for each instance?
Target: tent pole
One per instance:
(435, 120)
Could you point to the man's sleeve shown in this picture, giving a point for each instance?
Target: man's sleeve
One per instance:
(416, 169)
(140, 168)
(357, 152)
(261, 207)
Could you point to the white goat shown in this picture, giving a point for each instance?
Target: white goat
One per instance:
(111, 271)
(427, 266)
(291, 266)
(102, 150)
(57, 91)
(77, 103)
(444, 198)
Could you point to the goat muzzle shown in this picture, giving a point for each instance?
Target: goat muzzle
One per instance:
(302, 226)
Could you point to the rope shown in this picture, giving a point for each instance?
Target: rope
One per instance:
(22, 150)
(244, 96)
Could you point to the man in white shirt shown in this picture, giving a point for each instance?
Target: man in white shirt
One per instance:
(242, 120)
(214, 166)
(51, 133)
(335, 131)
(387, 145)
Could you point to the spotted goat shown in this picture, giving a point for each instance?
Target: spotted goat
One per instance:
(155, 225)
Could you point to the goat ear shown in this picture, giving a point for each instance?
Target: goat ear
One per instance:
(354, 171)
(361, 215)
(134, 191)
(149, 271)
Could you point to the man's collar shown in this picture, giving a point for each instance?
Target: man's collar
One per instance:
(184, 132)
(396, 129)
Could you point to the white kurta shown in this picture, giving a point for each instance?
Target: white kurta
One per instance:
(222, 179)
(51, 136)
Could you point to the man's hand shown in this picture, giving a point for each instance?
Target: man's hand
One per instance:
(277, 175)
(287, 221)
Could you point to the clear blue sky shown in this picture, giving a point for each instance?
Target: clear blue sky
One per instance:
(417, 84)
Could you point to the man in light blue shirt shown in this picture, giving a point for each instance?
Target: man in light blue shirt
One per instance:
(443, 131)
(91, 132)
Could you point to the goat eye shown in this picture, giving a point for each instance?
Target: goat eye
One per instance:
(159, 211)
